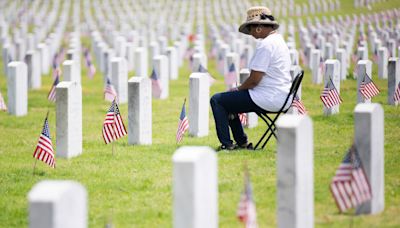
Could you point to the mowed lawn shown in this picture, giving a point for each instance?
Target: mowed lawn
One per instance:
(132, 188)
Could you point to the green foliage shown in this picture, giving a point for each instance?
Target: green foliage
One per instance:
(132, 188)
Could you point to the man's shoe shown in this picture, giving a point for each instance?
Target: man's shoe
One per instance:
(225, 147)
(246, 146)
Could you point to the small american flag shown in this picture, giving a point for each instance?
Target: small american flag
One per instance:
(230, 77)
(303, 57)
(396, 96)
(350, 186)
(330, 96)
(246, 211)
(321, 65)
(52, 93)
(299, 106)
(113, 126)
(183, 124)
(368, 88)
(3, 106)
(155, 84)
(44, 149)
(109, 92)
(90, 66)
(220, 62)
(243, 118)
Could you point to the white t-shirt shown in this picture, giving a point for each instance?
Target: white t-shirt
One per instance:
(271, 57)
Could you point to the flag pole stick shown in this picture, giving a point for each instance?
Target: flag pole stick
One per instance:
(34, 166)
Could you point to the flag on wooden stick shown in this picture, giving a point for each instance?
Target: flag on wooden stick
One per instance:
(230, 77)
(183, 124)
(109, 92)
(368, 88)
(246, 211)
(396, 96)
(330, 96)
(243, 118)
(350, 186)
(155, 84)
(52, 93)
(299, 106)
(113, 125)
(44, 148)
(90, 66)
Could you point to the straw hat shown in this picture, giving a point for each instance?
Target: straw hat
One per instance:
(258, 15)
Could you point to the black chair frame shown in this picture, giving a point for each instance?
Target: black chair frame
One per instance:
(271, 121)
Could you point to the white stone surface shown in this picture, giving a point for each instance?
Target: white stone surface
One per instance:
(17, 88)
(33, 64)
(68, 119)
(139, 111)
(70, 72)
(195, 188)
(45, 57)
(369, 141)
(171, 53)
(141, 62)
(341, 55)
(199, 97)
(383, 63)
(295, 177)
(315, 66)
(119, 78)
(58, 204)
(393, 78)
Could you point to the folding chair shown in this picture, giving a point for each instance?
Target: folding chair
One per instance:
(271, 121)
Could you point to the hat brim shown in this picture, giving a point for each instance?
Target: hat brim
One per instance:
(244, 28)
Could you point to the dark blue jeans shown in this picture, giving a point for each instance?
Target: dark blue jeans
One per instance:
(232, 102)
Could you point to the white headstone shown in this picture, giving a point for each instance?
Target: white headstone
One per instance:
(369, 141)
(119, 78)
(17, 88)
(199, 89)
(393, 78)
(295, 177)
(69, 119)
(342, 57)
(58, 204)
(139, 111)
(315, 66)
(45, 57)
(141, 62)
(171, 52)
(70, 72)
(195, 188)
(383, 62)
(34, 76)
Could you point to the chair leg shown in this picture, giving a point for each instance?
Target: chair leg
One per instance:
(268, 138)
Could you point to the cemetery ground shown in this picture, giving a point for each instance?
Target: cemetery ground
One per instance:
(132, 188)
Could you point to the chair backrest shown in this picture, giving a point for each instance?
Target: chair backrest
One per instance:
(293, 89)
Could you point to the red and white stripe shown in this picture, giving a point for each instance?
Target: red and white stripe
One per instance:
(350, 187)
(44, 151)
(243, 118)
(113, 127)
(330, 97)
(396, 96)
(109, 93)
(182, 128)
(368, 90)
(299, 106)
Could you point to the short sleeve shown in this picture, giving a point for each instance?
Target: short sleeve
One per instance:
(261, 59)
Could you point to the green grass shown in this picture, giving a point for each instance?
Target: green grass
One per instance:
(133, 187)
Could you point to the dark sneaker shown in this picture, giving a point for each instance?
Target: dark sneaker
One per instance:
(225, 147)
(246, 146)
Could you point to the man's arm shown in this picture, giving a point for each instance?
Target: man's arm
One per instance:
(252, 81)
